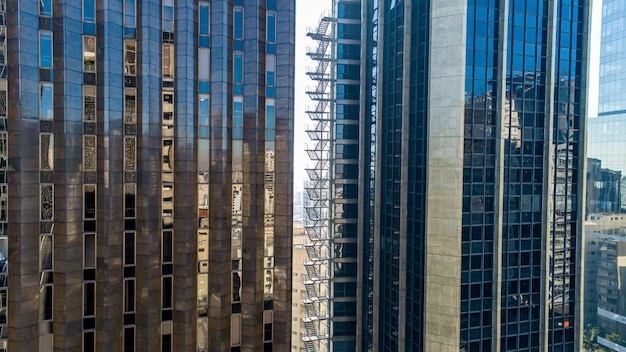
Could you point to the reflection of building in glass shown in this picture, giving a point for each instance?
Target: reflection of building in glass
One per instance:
(604, 189)
(605, 224)
(145, 175)
(470, 172)
(605, 290)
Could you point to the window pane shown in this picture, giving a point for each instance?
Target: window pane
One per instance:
(46, 102)
(89, 10)
(89, 103)
(203, 119)
(129, 296)
(204, 15)
(238, 114)
(167, 292)
(271, 27)
(89, 153)
(167, 246)
(90, 202)
(129, 13)
(47, 205)
(238, 23)
(204, 63)
(90, 251)
(129, 106)
(129, 248)
(45, 7)
(89, 299)
(46, 152)
(168, 15)
(45, 253)
(130, 65)
(45, 49)
(270, 117)
(238, 67)
(45, 303)
(168, 61)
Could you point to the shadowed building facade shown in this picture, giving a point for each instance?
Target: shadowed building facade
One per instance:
(146, 175)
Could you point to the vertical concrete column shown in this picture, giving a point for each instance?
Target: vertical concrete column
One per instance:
(283, 196)
(23, 174)
(253, 169)
(148, 234)
(444, 175)
(68, 181)
(220, 187)
(185, 178)
(110, 191)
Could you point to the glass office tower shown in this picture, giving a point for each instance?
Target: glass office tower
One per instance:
(605, 230)
(145, 175)
(472, 165)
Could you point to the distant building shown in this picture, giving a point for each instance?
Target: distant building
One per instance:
(605, 286)
(605, 221)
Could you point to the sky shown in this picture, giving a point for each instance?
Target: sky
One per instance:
(308, 13)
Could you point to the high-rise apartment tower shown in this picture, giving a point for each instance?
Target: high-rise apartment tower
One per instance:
(146, 175)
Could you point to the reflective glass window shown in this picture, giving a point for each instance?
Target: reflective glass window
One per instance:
(89, 10)
(204, 17)
(238, 67)
(45, 8)
(45, 49)
(271, 27)
(130, 13)
(168, 15)
(46, 99)
(238, 23)
(270, 118)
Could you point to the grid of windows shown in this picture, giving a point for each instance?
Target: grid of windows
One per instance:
(417, 175)
(479, 165)
(523, 129)
(369, 123)
(563, 223)
(344, 201)
(390, 174)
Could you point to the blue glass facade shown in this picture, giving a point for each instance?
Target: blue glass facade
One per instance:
(524, 161)
(605, 238)
(522, 157)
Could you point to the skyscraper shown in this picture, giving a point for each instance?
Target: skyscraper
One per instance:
(471, 174)
(605, 293)
(146, 182)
